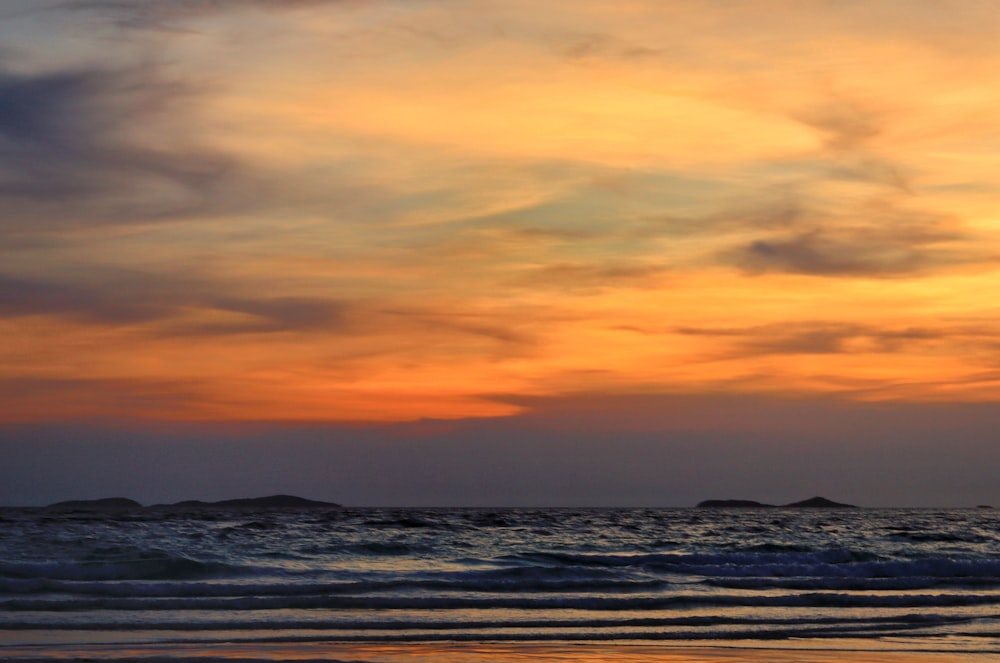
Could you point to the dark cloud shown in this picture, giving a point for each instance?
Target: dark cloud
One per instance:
(104, 305)
(820, 254)
(171, 14)
(268, 315)
(481, 324)
(882, 234)
(291, 312)
(861, 252)
(820, 337)
(163, 304)
(882, 239)
(119, 298)
(575, 276)
(96, 145)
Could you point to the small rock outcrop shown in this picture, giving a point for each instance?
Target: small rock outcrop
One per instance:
(273, 502)
(105, 504)
(811, 503)
(257, 503)
(819, 503)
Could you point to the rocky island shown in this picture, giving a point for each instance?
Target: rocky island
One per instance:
(811, 503)
(104, 504)
(270, 502)
(250, 503)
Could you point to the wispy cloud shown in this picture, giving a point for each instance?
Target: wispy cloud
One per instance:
(115, 298)
(876, 225)
(30, 398)
(80, 146)
(818, 337)
(582, 277)
(601, 45)
(171, 14)
(854, 252)
(21, 297)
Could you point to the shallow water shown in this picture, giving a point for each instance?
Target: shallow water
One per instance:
(896, 579)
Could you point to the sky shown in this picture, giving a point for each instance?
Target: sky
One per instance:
(478, 252)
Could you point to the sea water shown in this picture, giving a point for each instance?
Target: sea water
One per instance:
(908, 579)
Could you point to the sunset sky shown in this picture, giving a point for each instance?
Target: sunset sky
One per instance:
(500, 252)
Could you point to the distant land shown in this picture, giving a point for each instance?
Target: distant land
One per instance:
(105, 504)
(122, 503)
(111, 504)
(270, 502)
(811, 503)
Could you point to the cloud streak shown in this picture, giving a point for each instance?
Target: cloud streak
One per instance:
(817, 254)
(95, 145)
(134, 298)
(170, 15)
(818, 337)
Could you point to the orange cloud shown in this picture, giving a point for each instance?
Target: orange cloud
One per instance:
(387, 212)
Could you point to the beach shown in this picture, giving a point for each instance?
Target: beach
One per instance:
(805, 652)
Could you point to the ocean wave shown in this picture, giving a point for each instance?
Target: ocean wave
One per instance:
(836, 563)
(744, 558)
(29, 586)
(146, 566)
(352, 623)
(155, 574)
(372, 574)
(861, 583)
(440, 602)
(868, 631)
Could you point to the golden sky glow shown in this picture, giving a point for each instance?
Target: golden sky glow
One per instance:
(386, 211)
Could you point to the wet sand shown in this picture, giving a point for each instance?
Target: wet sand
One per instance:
(801, 652)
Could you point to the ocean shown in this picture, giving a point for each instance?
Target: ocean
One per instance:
(893, 579)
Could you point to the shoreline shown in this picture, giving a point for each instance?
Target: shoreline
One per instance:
(803, 651)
